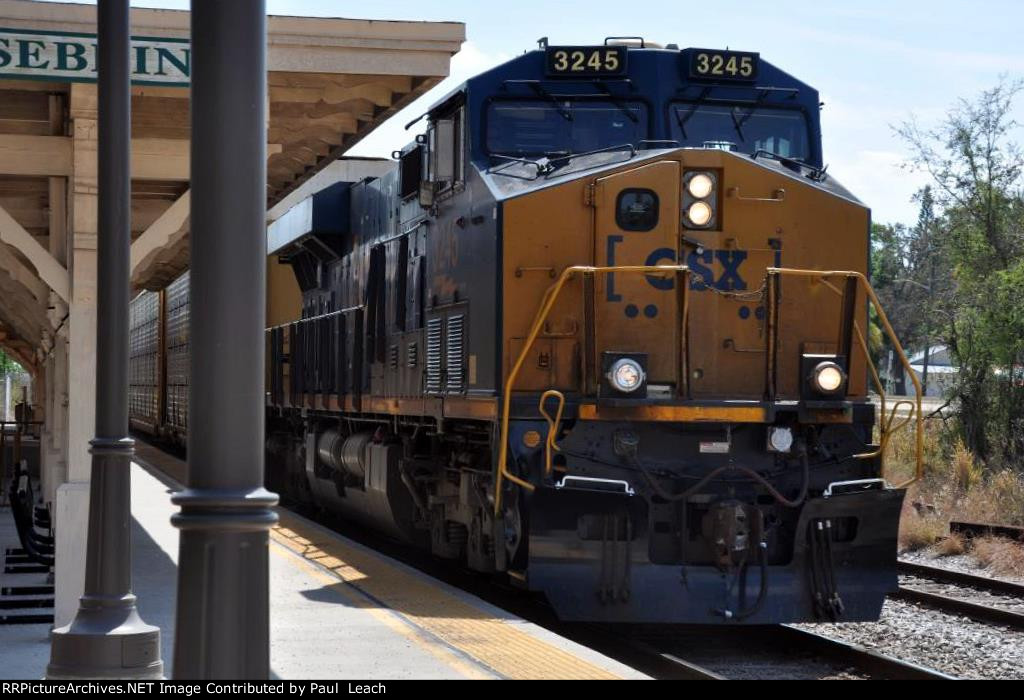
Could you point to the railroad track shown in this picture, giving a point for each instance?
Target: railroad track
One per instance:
(664, 652)
(980, 598)
(760, 652)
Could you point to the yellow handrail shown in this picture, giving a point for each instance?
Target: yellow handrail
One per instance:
(550, 443)
(547, 302)
(885, 423)
(551, 296)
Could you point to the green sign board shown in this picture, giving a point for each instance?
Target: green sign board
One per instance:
(65, 56)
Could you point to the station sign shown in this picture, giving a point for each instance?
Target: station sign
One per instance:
(70, 57)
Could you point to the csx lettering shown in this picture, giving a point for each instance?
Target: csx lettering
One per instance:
(702, 272)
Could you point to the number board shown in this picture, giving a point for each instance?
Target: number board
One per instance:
(724, 65)
(586, 60)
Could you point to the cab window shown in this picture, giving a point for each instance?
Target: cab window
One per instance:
(446, 139)
(544, 128)
(744, 128)
(637, 210)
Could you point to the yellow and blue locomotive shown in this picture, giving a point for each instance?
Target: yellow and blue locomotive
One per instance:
(601, 329)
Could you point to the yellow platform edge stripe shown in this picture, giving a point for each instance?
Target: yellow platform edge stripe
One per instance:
(496, 644)
(451, 657)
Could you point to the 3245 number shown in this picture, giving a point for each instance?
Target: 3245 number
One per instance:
(728, 65)
(589, 60)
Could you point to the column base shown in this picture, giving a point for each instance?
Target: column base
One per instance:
(105, 643)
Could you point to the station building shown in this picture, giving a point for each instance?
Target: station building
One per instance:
(331, 82)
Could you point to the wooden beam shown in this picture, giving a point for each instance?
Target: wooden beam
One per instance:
(160, 159)
(339, 122)
(20, 273)
(52, 272)
(27, 210)
(35, 156)
(21, 313)
(167, 159)
(160, 234)
(325, 134)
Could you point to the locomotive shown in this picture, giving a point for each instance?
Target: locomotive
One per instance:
(601, 331)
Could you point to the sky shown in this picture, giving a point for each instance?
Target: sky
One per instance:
(875, 63)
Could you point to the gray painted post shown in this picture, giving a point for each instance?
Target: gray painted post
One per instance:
(223, 626)
(107, 638)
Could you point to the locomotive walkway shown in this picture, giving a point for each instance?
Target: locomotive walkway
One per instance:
(338, 609)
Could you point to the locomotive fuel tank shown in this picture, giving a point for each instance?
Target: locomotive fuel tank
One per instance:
(361, 478)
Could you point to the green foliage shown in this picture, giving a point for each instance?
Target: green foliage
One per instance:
(969, 262)
(907, 271)
(7, 365)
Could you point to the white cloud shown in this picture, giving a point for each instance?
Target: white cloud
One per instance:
(865, 154)
(879, 179)
(391, 135)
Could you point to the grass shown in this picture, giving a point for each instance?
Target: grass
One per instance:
(956, 486)
(999, 555)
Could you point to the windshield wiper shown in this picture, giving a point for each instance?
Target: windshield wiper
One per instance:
(738, 123)
(817, 174)
(681, 120)
(762, 97)
(615, 100)
(541, 92)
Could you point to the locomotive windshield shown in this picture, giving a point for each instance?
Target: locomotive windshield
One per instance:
(537, 128)
(744, 128)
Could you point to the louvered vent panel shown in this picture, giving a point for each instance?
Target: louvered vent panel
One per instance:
(393, 357)
(454, 350)
(411, 355)
(434, 328)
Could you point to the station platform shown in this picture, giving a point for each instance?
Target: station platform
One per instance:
(338, 609)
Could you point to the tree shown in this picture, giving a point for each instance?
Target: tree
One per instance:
(976, 170)
(977, 250)
(903, 271)
(7, 365)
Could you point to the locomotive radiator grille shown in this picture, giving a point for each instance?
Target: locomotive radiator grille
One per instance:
(455, 345)
(434, 333)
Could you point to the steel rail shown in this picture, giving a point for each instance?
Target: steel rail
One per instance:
(960, 606)
(961, 578)
(877, 664)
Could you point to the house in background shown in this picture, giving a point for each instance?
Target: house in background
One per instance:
(942, 372)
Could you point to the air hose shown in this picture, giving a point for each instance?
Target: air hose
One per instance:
(746, 471)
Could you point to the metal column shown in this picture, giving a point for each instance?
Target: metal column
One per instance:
(107, 638)
(222, 628)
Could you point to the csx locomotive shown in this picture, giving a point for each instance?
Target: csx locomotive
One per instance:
(599, 330)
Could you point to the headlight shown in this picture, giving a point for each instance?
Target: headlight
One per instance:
(699, 213)
(780, 439)
(626, 375)
(828, 377)
(700, 185)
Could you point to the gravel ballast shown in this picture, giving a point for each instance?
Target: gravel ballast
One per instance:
(949, 643)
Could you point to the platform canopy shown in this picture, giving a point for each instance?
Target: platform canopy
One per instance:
(331, 82)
